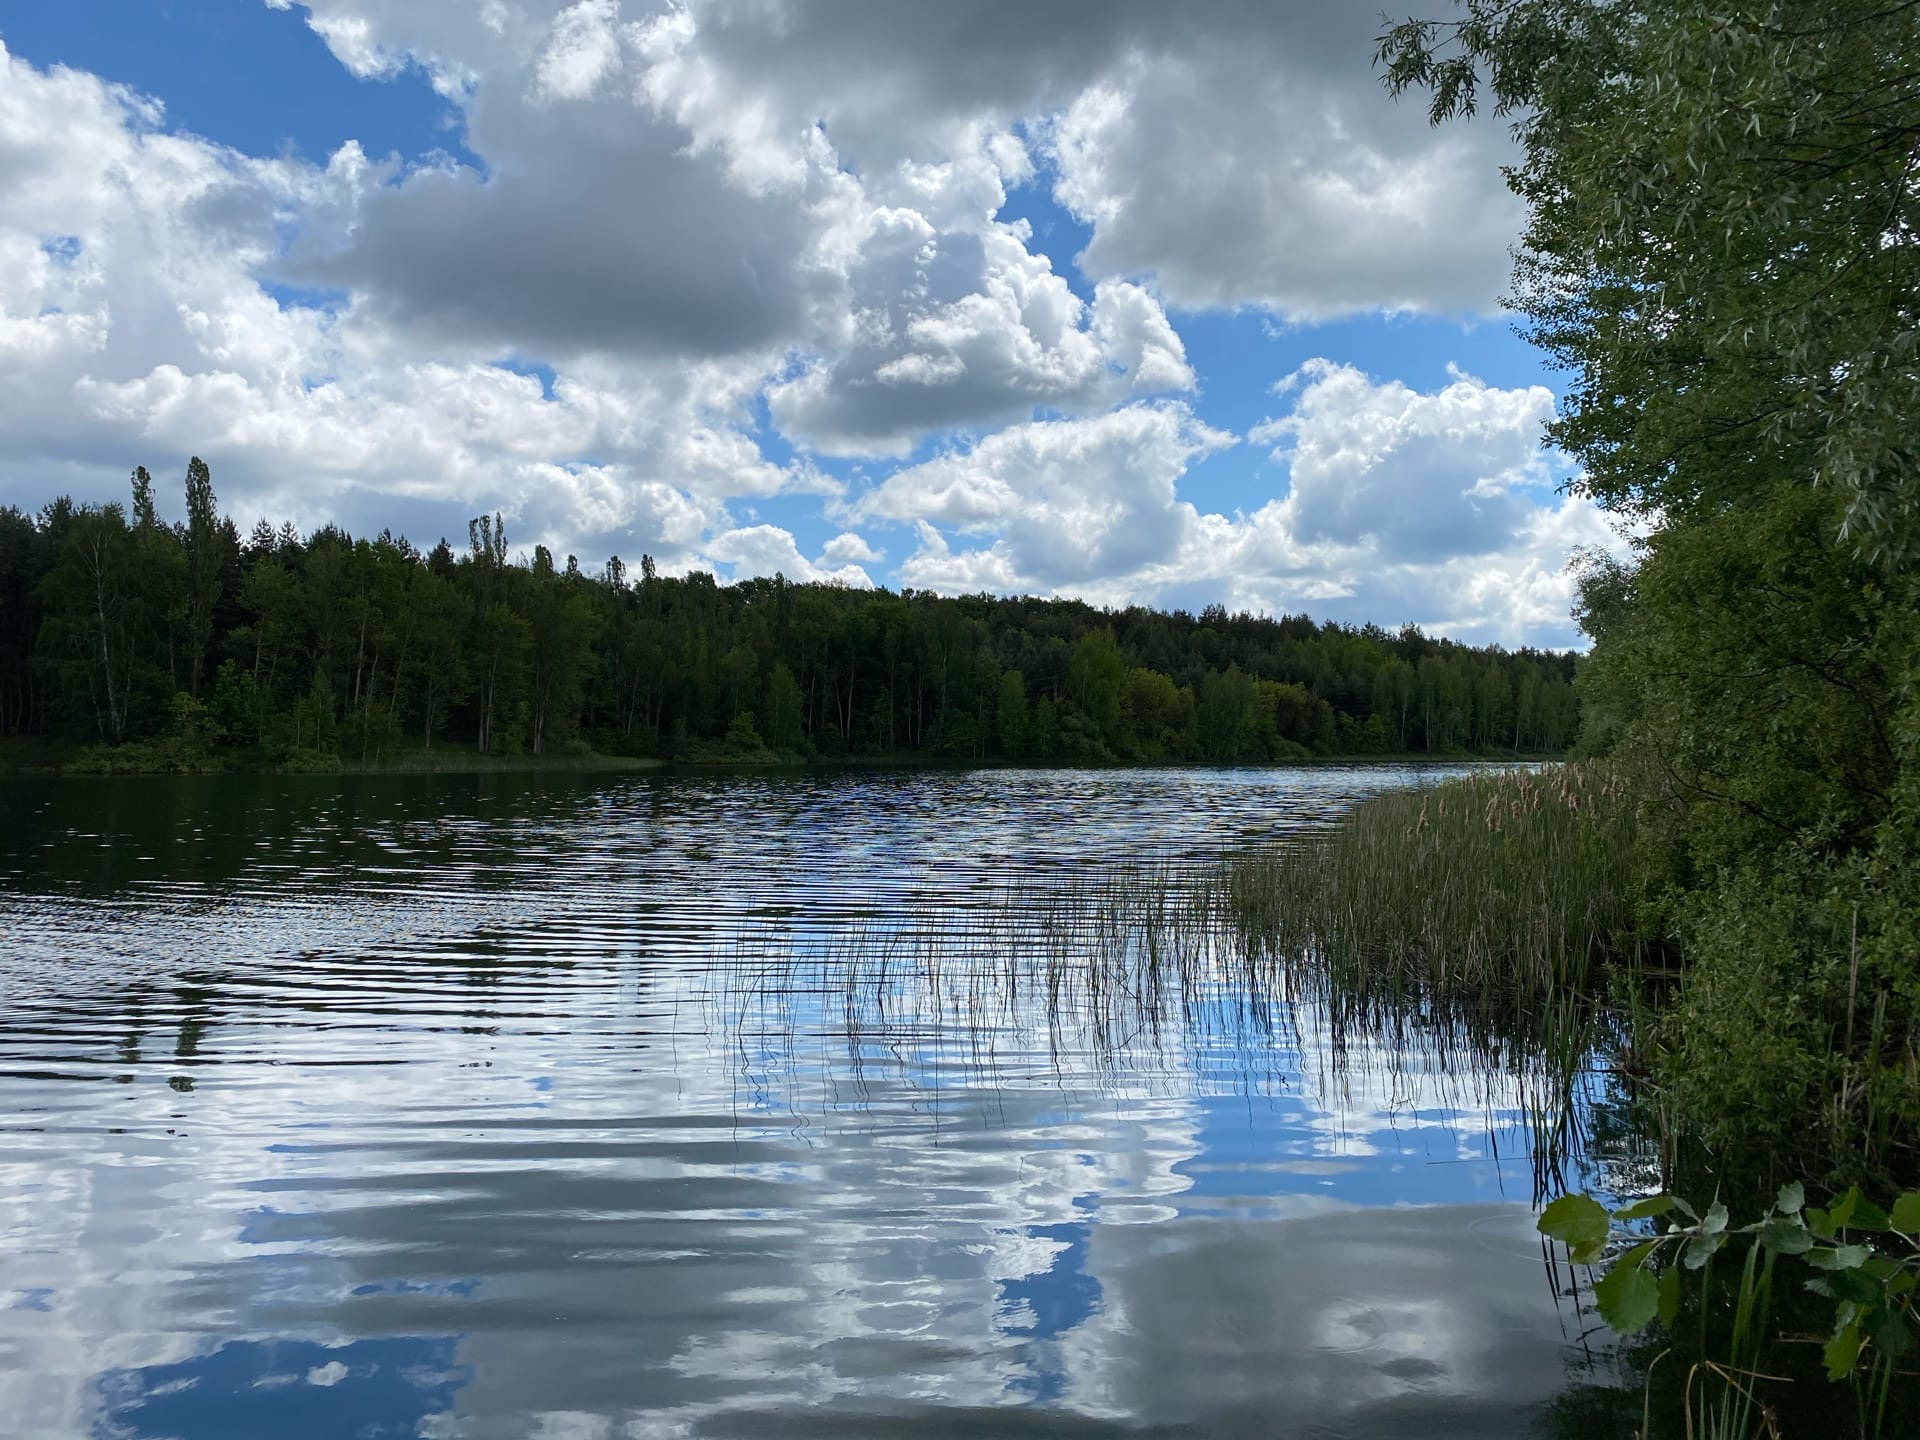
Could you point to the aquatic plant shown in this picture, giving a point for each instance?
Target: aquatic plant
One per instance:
(1133, 965)
(1515, 881)
(1863, 1260)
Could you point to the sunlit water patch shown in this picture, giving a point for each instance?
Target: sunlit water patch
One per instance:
(882, 1104)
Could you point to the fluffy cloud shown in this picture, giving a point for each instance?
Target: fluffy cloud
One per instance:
(135, 328)
(1011, 337)
(583, 51)
(849, 548)
(639, 200)
(608, 237)
(1432, 508)
(769, 550)
(1268, 170)
(1415, 477)
(1240, 152)
(1069, 501)
(592, 232)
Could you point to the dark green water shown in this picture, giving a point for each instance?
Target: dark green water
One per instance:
(666, 1106)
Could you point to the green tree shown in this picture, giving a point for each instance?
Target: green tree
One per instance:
(234, 706)
(206, 559)
(437, 675)
(1226, 718)
(25, 557)
(157, 591)
(561, 622)
(1158, 716)
(781, 710)
(1720, 253)
(412, 644)
(1010, 715)
(90, 637)
(501, 647)
(1096, 680)
(1720, 248)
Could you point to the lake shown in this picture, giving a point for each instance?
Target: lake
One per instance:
(930, 1103)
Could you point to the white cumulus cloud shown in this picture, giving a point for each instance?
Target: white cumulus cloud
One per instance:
(1437, 508)
(583, 51)
(1068, 501)
(769, 550)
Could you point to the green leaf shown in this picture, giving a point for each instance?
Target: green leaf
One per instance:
(1821, 1222)
(1580, 1223)
(1840, 1257)
(1841, 1215)
(1868, 1294)
(1891, 1334)
(1716, 1220)
(1628, 1297)
(1783, 1237)
(1669, 1294)
(1843, 1352)
(1646, 1208)
(1700, 1249)
(1869, 1216)
(1906, 1213)
(1857, 1289)
(1793, 1196)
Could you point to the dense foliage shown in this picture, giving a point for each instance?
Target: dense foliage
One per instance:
(162, 645)
(1722, 255)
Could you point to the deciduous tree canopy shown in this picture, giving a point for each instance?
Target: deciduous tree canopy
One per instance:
(1724, 230)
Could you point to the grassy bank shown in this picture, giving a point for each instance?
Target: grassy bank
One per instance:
(1763, 1038)
(1768, 1018)
(1508, 882)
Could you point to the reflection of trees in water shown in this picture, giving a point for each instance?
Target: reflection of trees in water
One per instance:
(191, 840)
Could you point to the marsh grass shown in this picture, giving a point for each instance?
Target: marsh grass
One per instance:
(1516, 883)
(1134, 975)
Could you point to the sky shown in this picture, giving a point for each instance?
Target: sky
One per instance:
(1115, 299)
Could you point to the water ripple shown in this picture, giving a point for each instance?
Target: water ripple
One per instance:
(711, 1105)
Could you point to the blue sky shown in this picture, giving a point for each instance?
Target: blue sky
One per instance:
(238, 72)
(1112, 300)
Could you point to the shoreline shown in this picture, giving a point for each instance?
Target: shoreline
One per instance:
(41, 765)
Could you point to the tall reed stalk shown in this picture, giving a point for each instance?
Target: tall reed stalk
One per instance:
(1509, 883)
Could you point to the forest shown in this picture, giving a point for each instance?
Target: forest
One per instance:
(131, 643)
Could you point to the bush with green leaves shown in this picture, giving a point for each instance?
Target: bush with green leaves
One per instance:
(1862, 1260)
(1720, 254)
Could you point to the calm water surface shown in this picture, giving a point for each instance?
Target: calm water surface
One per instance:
(687, 1106)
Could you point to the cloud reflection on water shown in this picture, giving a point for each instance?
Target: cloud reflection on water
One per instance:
(605, 1176)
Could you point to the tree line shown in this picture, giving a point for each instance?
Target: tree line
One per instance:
(118, 629)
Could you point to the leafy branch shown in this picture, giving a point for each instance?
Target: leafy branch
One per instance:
(1865, 1260)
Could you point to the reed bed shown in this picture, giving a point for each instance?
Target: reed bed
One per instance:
(1123, 976)
(1513, 884)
